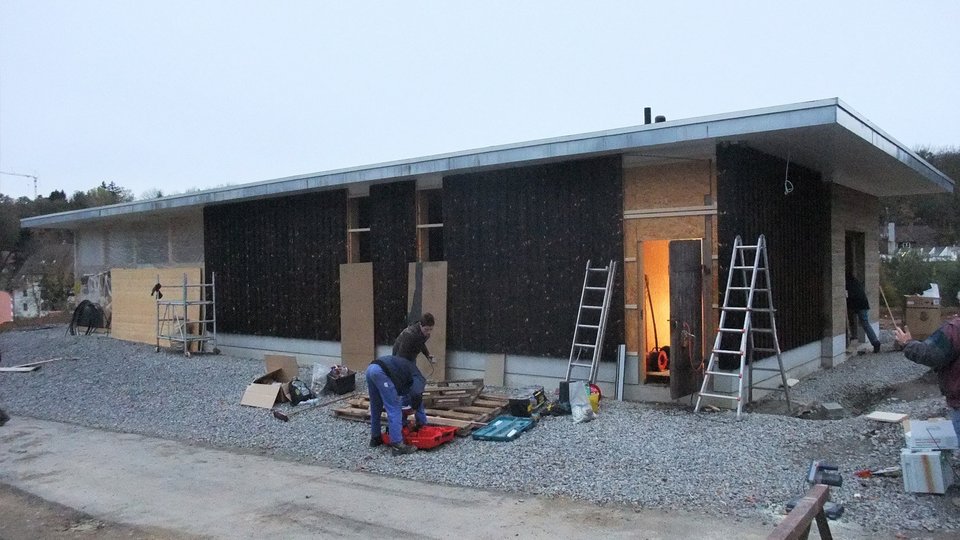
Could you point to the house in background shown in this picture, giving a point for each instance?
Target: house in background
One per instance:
(53, 261)
(331, 266)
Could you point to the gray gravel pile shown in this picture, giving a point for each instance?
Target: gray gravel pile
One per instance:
(651, 456)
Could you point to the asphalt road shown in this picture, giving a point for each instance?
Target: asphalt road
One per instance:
(176, 490)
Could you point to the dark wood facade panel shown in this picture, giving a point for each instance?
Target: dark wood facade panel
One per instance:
(278, 264)
(517, 242)
(754, 198)
(393, 243)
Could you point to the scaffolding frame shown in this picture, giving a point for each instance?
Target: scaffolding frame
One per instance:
(174, 324)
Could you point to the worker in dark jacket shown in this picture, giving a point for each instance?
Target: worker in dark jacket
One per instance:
(940, 351)
(413, 340)
(858, 310)
(389, 380)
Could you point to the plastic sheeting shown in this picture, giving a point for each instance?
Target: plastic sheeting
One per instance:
(171, 242)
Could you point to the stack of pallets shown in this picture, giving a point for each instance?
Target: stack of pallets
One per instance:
(481, 408)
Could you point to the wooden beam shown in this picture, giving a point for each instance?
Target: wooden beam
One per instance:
(28, 364)
(18, 369)
(796, 525)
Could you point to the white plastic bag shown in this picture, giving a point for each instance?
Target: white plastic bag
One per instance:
(319, 378)
(580, 402)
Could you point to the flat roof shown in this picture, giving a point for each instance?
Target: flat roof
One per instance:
(826, 135)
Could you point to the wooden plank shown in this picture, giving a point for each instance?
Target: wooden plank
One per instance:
(427, 293)
(18, 369)
(882, 416)
(28, 364)
(357, 347)
(797, 523)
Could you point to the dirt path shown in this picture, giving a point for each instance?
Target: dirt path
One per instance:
(112, 485)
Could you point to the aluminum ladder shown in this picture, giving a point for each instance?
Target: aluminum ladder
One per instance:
(591, 325)
(748, 293)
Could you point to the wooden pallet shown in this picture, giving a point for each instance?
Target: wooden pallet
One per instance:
(465, 418)
(445, 394)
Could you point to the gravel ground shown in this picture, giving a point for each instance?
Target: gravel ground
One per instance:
(647, 455)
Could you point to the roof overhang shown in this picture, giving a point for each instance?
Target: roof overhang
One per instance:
(825, 135)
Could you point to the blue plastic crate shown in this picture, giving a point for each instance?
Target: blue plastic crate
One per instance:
(503, 428)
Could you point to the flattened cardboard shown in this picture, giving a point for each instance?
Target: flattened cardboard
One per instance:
(286, 364)
(266, 390)
(261, 395)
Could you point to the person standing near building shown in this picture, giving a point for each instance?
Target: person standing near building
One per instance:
(858, 309)
(389, 380)
(413, 340)
(941, 352)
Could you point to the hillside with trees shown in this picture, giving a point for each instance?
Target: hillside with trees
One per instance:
(17, 245)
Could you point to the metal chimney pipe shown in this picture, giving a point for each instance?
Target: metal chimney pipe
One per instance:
(646, 115)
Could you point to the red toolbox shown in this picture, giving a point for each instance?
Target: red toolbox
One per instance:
(426, 437)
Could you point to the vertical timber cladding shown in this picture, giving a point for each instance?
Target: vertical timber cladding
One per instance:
(393, 244)
(753, 200)
(278, 264)
(517, 242)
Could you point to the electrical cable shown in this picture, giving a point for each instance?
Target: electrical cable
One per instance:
(787, 184)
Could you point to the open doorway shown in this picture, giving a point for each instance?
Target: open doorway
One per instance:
(853, 260)
(672, 325)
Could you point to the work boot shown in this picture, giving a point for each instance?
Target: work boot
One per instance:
(401, 449)
(376, 441)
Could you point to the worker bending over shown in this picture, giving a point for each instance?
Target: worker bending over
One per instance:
(389, 380)
(413, 340)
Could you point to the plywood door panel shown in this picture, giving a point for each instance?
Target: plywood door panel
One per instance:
(427, 293)
(357, 348)
(686, 315)
(135, 311)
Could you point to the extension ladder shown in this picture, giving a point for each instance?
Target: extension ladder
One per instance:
(750, 297)
(591, 321)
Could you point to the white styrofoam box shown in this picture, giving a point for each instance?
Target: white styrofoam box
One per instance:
(925, 471)
(930, 434)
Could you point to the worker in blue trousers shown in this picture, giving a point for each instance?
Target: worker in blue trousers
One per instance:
(390, 379)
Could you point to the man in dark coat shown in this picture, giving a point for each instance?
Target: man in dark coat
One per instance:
(858, 309)
(389, 380)
(413, 340)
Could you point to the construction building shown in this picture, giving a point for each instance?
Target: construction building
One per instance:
(331, 266)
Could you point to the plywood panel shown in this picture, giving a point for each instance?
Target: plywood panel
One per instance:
(668, 228)
(357, 349)
(427, 293)
(670, 185)
(135, 311)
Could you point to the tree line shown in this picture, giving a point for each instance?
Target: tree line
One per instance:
(16, 244)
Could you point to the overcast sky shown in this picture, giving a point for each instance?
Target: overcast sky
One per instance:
(174, 95)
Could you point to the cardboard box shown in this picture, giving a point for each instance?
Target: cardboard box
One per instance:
(930, 435)
(266, 390)
(922, 301)
(922, 315)
(925, 471)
